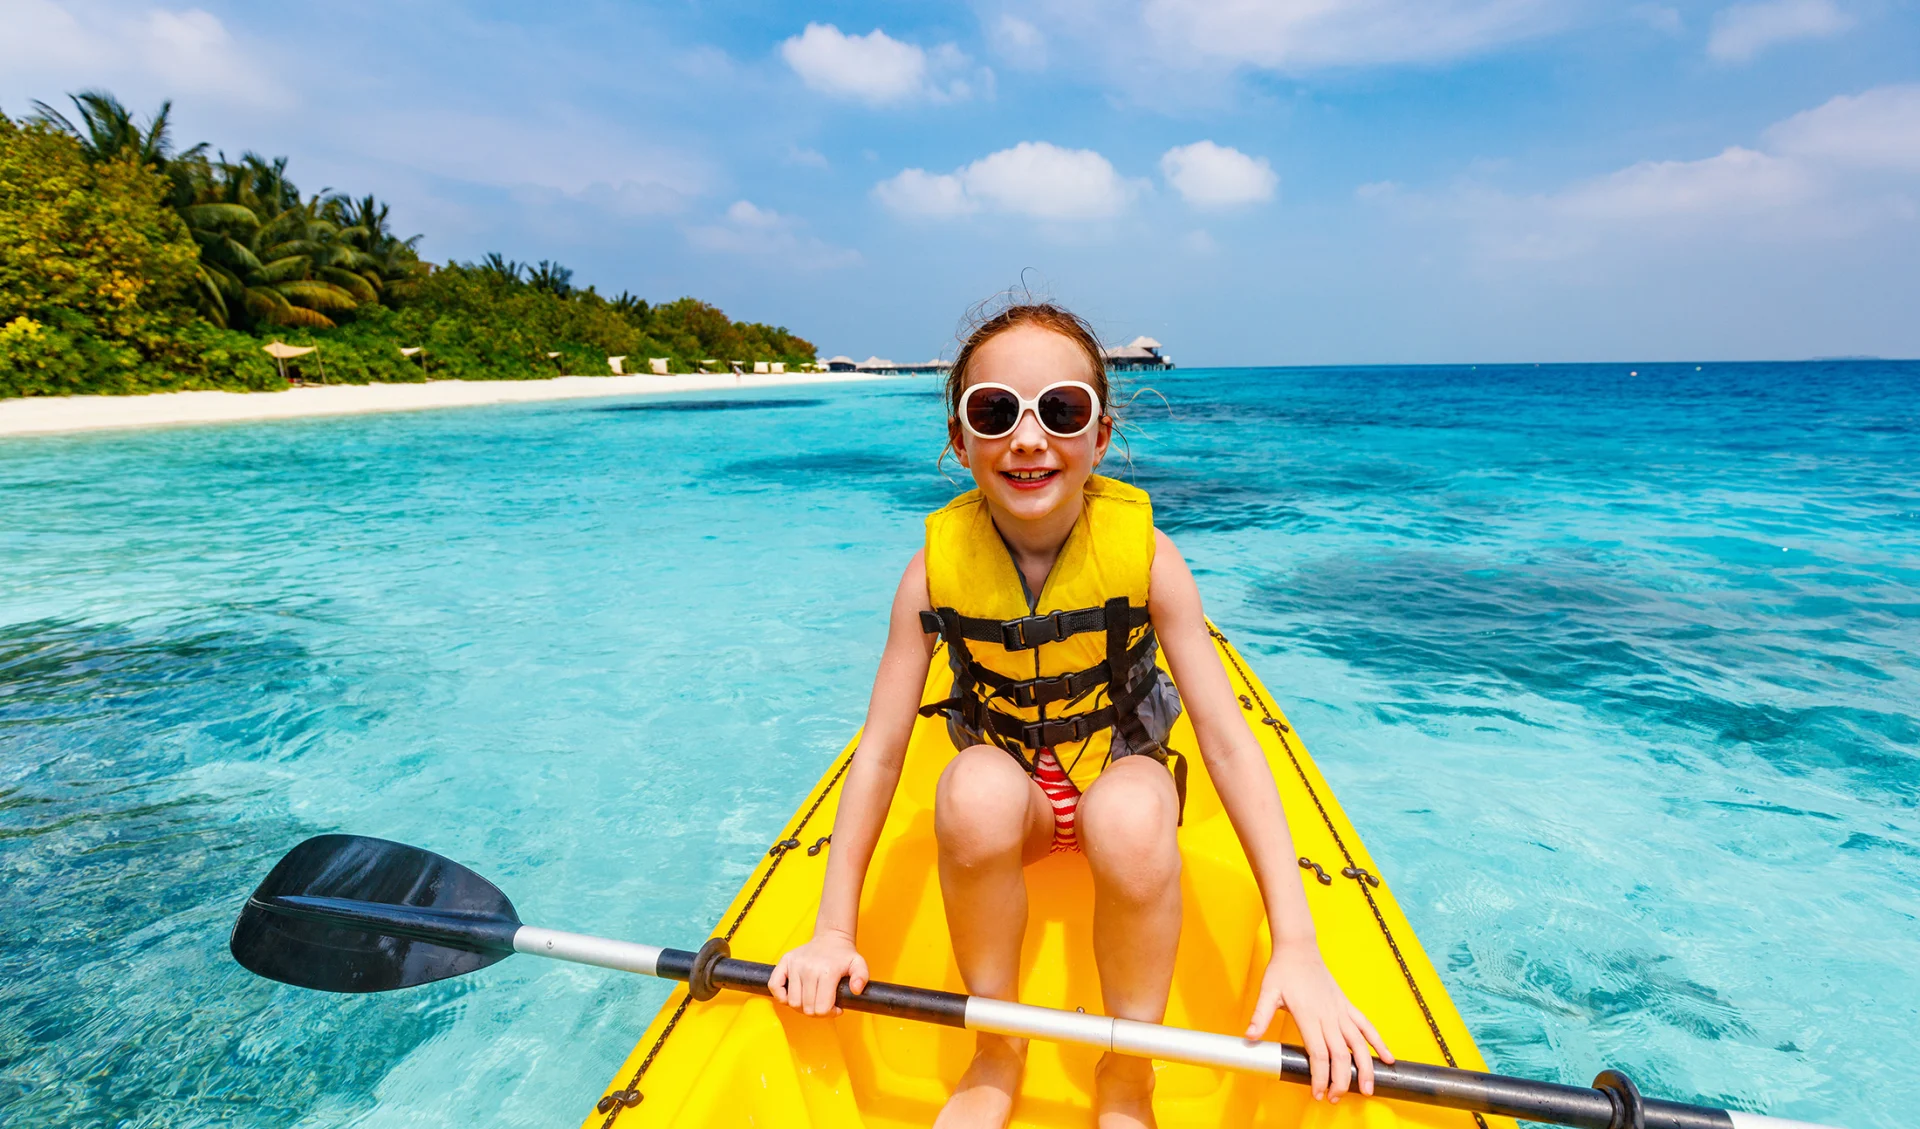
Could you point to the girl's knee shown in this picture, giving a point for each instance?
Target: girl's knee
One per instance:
(1135, 800)
(1127, 824)
(981, 806)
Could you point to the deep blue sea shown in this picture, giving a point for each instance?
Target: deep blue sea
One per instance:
(1617, 668)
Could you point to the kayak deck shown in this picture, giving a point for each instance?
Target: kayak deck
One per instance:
(742, 1060)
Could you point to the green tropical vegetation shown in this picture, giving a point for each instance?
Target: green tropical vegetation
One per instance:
(129, 266)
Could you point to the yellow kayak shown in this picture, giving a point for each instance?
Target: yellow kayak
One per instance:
(743, 1060)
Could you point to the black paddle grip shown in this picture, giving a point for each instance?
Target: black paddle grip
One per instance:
(1579, 1106)
(949, 1009)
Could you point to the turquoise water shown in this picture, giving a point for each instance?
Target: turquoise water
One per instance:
(1619, 675)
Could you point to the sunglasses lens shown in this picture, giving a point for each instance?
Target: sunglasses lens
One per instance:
(992, 412)
(1066, 411)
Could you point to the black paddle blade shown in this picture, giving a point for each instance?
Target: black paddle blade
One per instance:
(345, 913)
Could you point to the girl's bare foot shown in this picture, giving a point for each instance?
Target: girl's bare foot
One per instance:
(1123, 1093)
(984, 1097)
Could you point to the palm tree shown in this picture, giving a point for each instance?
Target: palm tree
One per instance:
(266, 255)
(218, 222)
(299, 270)
(107, 132)
(363, 226)
(222, 231)
(500, 270)
(551, 277)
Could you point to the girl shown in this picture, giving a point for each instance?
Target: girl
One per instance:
(1060, 719)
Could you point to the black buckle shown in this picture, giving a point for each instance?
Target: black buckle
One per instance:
(1020, 634)
(1027, 695)
(1058, 731)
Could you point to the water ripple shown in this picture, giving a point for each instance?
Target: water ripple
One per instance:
(1617, 675)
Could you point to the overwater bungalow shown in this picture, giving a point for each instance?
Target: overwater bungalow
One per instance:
(883, 365)
(1142, 353)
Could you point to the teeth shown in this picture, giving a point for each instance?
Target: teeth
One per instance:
(1028, 475)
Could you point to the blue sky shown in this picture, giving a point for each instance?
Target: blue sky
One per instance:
(1251, 181)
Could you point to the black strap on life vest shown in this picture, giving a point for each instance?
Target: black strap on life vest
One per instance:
(1125, 694)
(947, 623)
(1050, 732)
(974, 705)
(1121, 690)
(1027, 693)
(1031, 631)
(1116, 619)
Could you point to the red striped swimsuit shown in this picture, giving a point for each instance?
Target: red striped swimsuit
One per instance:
(1062, 794)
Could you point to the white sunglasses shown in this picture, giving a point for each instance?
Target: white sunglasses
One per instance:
(1064, 409)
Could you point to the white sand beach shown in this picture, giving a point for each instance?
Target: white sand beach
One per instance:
(35, 415)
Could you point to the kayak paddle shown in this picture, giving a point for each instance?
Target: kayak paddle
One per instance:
(347, 913)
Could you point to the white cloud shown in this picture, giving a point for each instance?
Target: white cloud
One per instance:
(1034, 179)
(876, 68)
(1836, 172)
(1214, 176)
(1047, 182)
(1310, 34)
(1744, 30)
(239, 90)
(1736, 182)
(1019, 42)
(873, 68)
(764, 234)
(151, 53)
(811, 158)
(44, 33)
(1877, 129)
(744, 215)
(917, 192)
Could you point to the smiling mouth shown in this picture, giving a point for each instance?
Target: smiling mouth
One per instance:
(1028, 479)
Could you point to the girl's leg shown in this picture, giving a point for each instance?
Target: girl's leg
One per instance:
(990, 820)
(1127, 829)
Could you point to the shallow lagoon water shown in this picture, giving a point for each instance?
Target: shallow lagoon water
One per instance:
(1619, 675)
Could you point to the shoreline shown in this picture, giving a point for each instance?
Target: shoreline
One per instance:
(55, 415)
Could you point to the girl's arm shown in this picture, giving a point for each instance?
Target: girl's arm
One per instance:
(1335, 1033)
(808, 977)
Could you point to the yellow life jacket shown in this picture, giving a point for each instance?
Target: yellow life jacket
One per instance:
(1071, 669)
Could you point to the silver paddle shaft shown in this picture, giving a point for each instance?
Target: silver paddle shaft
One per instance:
(578, 948)
(1417, 1082)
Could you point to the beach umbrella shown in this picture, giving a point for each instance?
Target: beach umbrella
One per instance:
(282, 352)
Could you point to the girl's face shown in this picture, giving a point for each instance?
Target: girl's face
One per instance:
(1030, 473)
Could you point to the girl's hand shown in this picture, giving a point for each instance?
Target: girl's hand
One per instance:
(1335, 1033)
(808, 978)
